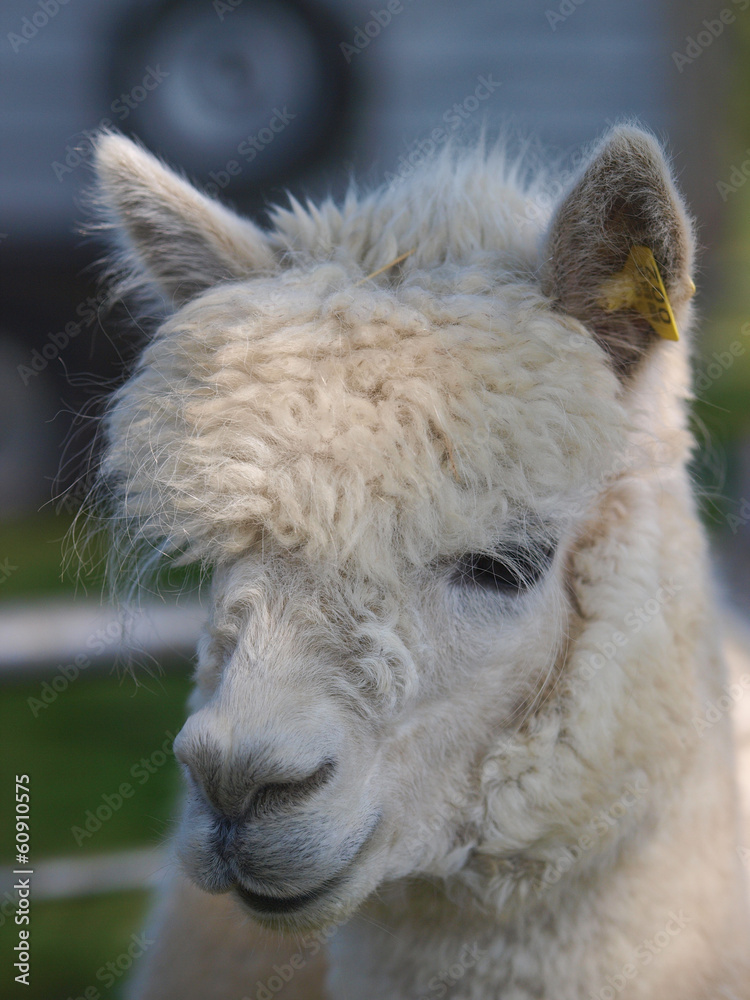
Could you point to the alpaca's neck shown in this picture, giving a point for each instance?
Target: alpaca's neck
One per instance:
(636, 924)
(416, 943)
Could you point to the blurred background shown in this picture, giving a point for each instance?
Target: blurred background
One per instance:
(253, 98)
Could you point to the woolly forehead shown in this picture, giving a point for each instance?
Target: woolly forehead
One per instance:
(351, 422)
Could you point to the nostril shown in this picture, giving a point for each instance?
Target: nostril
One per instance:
(277, 794)
(250, 781)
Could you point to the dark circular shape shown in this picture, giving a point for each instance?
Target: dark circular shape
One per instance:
(238, 93)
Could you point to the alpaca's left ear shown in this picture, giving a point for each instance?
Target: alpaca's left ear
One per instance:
(180, 240)
(624, 198)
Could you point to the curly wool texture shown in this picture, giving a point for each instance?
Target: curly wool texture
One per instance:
(316, 430)
(351, 421)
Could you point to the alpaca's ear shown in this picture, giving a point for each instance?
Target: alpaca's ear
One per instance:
(624, 198)
(182, 241)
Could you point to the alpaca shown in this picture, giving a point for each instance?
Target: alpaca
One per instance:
(445, 735)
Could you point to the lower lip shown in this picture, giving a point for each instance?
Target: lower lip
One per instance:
(285, 904)
(263, 904)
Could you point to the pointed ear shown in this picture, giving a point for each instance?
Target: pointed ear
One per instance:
(181, 241)
(624, 197)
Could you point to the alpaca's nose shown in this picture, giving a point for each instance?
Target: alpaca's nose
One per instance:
(249, 779)
(265, 800)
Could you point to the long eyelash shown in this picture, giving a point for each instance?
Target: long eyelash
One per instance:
(508, 570)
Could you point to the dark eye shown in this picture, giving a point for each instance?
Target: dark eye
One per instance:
(509, 571)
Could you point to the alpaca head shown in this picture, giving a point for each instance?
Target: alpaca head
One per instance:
(390, 477)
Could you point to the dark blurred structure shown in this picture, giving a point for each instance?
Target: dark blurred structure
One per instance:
(251, 97)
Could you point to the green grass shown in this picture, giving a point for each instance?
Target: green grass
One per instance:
(40, 556)
(73, 940)
(98, 734)
(724, 407)
(94, 737)
(32, 546)
(722, 383)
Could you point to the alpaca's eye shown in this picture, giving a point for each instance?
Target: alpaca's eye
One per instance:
(509, 571)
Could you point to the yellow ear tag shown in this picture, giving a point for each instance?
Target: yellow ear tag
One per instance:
(639, 286)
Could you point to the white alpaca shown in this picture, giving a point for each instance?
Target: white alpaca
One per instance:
(447, 708)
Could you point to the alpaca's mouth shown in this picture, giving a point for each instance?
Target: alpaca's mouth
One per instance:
(264, 904)
(286, 904)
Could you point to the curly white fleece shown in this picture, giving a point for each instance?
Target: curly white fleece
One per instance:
(291, 403)
(345, 419)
